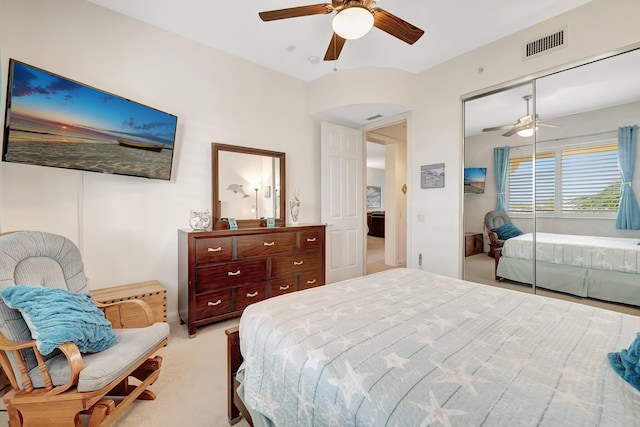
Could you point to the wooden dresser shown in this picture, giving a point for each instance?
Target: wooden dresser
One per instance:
(223, 271)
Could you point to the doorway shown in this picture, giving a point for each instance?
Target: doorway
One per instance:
(386, 205)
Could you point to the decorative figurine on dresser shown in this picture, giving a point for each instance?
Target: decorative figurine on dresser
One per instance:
(220, 272)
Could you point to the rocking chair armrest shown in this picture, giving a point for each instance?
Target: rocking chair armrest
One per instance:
(8, 345)
(69, 349)
(141, 305)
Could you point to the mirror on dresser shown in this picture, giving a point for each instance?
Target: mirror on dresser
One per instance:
(248, 184)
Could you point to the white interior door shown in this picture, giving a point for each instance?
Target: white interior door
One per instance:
(342, 188)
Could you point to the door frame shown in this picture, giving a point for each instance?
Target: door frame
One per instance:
(404, 117)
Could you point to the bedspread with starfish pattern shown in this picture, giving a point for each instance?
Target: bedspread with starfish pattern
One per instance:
(601, 253)
(409, 348)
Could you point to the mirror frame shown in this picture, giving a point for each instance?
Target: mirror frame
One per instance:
(222, 224)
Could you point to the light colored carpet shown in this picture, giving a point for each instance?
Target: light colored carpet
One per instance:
(375, 255)
(191, 390)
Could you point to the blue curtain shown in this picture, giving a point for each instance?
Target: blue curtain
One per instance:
(628, 212)
(500, 167)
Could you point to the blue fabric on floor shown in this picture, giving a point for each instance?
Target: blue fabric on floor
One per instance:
(626, 363)
(56, 316)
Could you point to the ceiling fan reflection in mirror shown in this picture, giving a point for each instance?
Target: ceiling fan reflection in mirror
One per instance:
(523, 127)
(354, 19)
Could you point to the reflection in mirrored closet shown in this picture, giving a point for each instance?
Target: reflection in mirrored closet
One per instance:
(557, 210)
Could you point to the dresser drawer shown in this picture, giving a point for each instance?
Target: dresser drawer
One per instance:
(265, 244)
(233, 273)
(213, 249)
(221, 272)
(311, 239)
(287, 265)
(283, 286)
(311, 280)
(214, 304)
(250, 294)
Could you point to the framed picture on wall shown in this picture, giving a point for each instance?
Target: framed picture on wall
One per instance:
(432, 176)
(374, 197)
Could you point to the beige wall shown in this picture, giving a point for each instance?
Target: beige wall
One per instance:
(126, 227)
(436, 131)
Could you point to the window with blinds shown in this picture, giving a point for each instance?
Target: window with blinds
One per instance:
(569, 181)
(520, 183)
(591, 180)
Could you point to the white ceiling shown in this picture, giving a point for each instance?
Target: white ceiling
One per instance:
(451, 28)
(377, 138)
(296, 46)
(288, 45)
(597, 85)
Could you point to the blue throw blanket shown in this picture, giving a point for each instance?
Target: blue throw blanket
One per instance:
(626, 363)
(56, 316)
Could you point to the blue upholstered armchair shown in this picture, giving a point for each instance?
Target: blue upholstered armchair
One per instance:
(493, 220)
(55, 388)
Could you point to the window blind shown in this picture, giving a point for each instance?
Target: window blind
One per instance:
(590, 180)
(582, 180)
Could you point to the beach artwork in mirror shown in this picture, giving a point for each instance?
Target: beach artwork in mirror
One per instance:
(248, 185)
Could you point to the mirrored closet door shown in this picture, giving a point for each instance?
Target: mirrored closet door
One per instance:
(569, 151)
(497, 152)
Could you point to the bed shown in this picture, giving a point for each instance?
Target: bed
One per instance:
(406, 347)
(605, 268)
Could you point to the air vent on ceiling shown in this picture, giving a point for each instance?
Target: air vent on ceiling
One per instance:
(377, 116)
(546, 43)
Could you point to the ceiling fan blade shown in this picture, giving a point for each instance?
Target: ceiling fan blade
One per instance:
(335, 47)
(515, 129)
(491, 129)
(294, 12)
(395, 26)
(546, 125)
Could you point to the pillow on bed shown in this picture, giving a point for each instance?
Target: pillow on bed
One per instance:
(55, 316)
(507, 231)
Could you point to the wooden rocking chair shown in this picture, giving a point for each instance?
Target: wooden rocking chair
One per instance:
(54, 390)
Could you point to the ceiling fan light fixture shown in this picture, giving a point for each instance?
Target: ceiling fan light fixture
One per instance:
(526, 133)
(352, 22)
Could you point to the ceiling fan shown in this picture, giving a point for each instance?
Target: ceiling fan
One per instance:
(524, 125)
(353, 20)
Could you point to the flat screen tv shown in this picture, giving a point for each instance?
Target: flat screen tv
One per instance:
(474, 180)
(53, 121)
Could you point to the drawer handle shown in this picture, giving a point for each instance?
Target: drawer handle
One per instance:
(269, 243)
(231, 273)
(209, 303)
(284, 288)
(298, 262)
(311, 239)
(311, 282)
(251, 295)
(218, 249)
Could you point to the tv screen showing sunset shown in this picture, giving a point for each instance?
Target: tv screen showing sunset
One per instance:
(57, 122)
